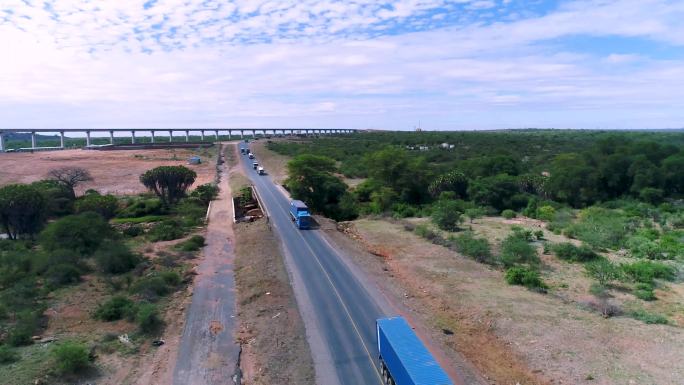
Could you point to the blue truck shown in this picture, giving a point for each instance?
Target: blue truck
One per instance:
(404, 360)
(300, 214)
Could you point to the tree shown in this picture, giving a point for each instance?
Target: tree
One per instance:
(22, 210)
(515, 249)
(105, 205)
(447, 215)
(454, 181)
(603, 271)
(311, 180)
(70, 177)
(495, 191)
(573, 180)
(59, 199)
(169, 183)
(70, 357)
(206, 193)
(83, 233)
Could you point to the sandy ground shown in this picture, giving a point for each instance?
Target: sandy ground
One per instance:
(114, 172)
(272, 335)
(512, 334)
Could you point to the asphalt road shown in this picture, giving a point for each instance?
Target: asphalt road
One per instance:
(339, 313)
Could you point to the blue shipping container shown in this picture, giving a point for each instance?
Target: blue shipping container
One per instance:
(300, 214)
(405, 357)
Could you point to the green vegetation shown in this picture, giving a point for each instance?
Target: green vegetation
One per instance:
(206, 193)
(473, 247)
(647, 271)
(603, 271)
(22, 210)
(116, 308)
(169, 183)
(194, 243)
(70, 357)
(516, 250)
(525, 277)
(649, 318)
(148, 319)
(105, 205)
(447, 214)
(571, 253)
(8, 355)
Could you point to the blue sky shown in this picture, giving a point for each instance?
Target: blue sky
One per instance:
(461, 64)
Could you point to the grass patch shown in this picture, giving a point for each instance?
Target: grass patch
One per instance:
(649, 318)
(137, 220)
(194, 243)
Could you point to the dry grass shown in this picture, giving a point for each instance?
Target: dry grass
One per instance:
(512, 334)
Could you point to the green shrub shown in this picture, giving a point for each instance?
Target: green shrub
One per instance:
(82, 233)
(138, 220)
(403, 210)
(649, 318)
(569, 252)
(644, 291)
(603, 271)
(539, 234)
(560, 221)
(522, 233)
(546, 213)
(206, 193)
(171, 278)
(28, 322)
(601, 228)
(105, 205)
(148, 319)
(447, 214)
(8, 355)
(62, 274)
(116, 308)
(115, 258)
(516, 250)
(70, 357)
(140, 207)
(166, 230)
(424, 231)
(194, 243)
(525, 277)
(133, 231)
(153, 287)
(476, 248)
(508, 214)
(647, 271)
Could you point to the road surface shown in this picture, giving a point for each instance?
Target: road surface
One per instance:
(208, 353)
(339, 313)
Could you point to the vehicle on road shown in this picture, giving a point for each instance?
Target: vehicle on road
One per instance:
(404, 360)
(261, 170)
(243, 151)
(255, 165)
(300, 214)
(251, 156)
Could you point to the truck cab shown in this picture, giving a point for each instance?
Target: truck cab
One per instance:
(299, 213)
(261, 170)
(251, 156)
(243, 150)
(255, 165)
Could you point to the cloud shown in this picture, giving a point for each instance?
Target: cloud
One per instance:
(324, 63)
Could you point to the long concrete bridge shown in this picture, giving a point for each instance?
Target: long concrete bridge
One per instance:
(203, 132)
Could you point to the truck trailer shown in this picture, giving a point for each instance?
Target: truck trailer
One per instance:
(404, 360)
(300, 214)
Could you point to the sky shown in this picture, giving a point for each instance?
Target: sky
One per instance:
(364, 64)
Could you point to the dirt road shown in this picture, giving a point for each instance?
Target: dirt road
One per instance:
(208, 352)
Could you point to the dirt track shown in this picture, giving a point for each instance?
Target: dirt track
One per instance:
(114, 172)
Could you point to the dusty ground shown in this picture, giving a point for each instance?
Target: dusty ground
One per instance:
(272, 333)
(114, 172)
(512, 334)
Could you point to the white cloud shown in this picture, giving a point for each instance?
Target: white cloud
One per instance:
(313, 63)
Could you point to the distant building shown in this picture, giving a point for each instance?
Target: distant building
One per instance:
(195, 160)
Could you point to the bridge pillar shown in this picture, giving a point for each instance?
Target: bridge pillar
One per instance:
(170, 136)
(2, 142)
(202, 135)
(151, 136)
(61, 139)
(132, 137)
(216, 135)
(33, 140)
(229, 135)
(187, 135)
(242, 134)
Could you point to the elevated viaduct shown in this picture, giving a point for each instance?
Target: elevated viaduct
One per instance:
(152, 132)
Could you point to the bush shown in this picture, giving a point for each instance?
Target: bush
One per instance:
(522, 233)
(195, 243)
(206, 193)
(647, 271)
(171, 278)
(508, 214)
(649, 318)
(8, 355)
(140, 207)
(603, 271)
(82, 233)
(105, 205)
(424, 231)
(539, 234)
(28, 321)
(70, 357)
(167, 230)
(447, 215)
(644, 291)
(601, 228)
(476, 248)
(569, 252)
(133, 231)
(115, 258)
(62, 274)
(403, 210)
(116, 308)
(525, 277)
(546, 213)
(155, 286)
(148, 319)
(516, 250)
